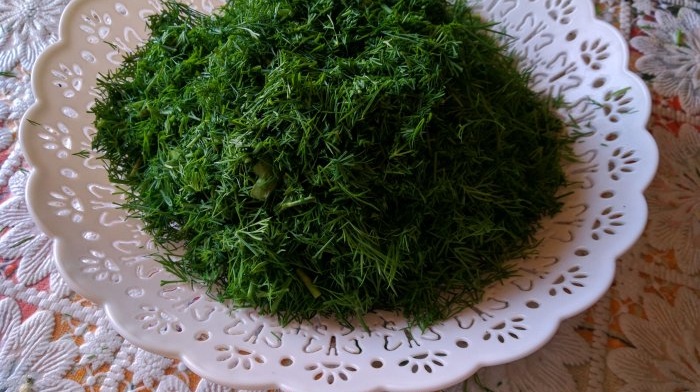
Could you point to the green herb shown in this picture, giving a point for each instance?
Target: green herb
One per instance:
(332, 156)
(82, 154)
(21, 242)
(7, 74)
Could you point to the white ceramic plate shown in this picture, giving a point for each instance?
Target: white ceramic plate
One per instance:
(104, 256)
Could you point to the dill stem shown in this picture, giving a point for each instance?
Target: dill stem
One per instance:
(315, 292)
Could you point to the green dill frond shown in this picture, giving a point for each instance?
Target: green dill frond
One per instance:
(332, 157)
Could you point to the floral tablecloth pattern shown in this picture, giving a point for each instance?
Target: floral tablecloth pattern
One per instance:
(643, 335)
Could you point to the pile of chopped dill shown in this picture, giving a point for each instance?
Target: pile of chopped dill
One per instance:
(332, 157)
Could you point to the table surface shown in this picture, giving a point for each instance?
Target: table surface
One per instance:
(643, 335)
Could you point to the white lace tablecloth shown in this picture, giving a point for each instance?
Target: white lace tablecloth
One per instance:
(643, 335)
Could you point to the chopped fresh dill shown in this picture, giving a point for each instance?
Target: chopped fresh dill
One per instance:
(332, 157)
(21, 242)
(82, 154)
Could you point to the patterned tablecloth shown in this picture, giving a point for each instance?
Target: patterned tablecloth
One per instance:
(643, 335)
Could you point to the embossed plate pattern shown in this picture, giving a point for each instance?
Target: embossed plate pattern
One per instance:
(104, 256)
